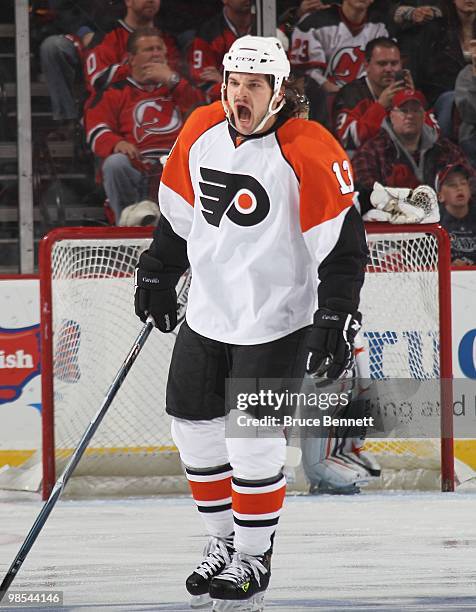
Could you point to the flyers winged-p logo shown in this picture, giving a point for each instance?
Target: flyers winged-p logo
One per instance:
(19, 360)
(238, 196)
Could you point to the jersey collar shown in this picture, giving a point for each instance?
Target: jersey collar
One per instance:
(124, 25)
(148, 87)
(232, 27)
(239, 139)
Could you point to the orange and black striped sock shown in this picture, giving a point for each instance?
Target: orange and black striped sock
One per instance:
(211, 490)
(256, 510)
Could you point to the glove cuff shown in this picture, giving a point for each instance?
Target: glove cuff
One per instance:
(332, 319)
(154, 281)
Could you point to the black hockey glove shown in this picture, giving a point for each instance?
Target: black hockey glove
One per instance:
(155, 293)
(331, 343)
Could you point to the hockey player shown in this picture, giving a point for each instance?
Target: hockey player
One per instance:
(260, 205)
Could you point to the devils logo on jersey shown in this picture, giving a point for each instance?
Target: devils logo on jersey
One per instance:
(239, 196)
(346, 65)
(159, 116)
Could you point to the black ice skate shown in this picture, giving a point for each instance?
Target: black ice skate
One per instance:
(216, 556)
(242, 584)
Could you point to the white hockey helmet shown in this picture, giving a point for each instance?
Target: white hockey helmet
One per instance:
(257, 55)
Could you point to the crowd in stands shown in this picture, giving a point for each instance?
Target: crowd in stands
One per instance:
(395, 81)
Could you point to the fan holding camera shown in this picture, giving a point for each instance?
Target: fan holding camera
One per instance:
(361, 106)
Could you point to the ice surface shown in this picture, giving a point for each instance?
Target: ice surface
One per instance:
(384, 551)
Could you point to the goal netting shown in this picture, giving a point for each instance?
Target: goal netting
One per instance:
(93, 325)
(407, 325)
(88, 325)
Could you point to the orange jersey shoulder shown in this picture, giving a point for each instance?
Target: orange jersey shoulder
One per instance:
(322, 168)
(176, 173)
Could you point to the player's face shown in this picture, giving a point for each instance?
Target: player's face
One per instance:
(455, 191)
(383, 65)
(144, 9)
(248, 96)
(150, 49)
(407, 120)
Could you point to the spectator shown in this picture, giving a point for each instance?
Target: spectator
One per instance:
(62, 55)
(409, 16)
(290, 12)
(328, 46)
(465, 98)
(213, 40)
(308, 6)
(406, 152)
(443, 51)
(182, 18)
(410, 13)
(458, 214)
(132, 122)
(295, 10)
(416, 12)
(361, 107)
(106, 55)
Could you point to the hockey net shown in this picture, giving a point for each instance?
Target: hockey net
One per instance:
(406, 305)
(88, 325)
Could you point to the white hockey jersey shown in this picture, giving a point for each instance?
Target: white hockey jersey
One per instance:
(259, 217)
(326, 46)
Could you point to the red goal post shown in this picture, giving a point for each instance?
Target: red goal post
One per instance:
(83, 269)
(46, 266)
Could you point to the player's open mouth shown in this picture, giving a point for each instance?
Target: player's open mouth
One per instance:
(244, 114)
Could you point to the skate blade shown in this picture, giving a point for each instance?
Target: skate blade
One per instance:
(200, 602)
(254, 604)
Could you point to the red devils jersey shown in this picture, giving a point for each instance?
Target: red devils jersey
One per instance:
(149, 119)
(358, 116)
(106, 56)
(214, 39)
(327, 46)
(266, 219)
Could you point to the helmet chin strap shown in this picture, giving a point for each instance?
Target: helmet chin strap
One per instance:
(269, 113)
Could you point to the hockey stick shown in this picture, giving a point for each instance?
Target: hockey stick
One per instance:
(75, 457)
